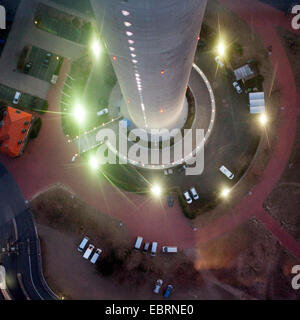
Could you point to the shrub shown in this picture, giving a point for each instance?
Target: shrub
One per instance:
(36, 127)
(76, 22)
(22, 58)
(191, 213)
(44, 107)
(188, 212)
(110, 263)
(60, 62)
(237, 49)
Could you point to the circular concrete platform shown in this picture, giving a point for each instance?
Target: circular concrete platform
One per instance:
(203, 119)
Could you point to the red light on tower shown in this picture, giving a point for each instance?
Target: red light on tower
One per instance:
(114, 58)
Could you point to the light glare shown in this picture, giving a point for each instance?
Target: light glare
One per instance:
(156, 190)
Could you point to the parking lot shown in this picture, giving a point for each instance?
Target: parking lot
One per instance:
(63, 24)
(27, 101)
(42, 64)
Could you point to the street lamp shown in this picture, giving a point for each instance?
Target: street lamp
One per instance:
(94, 163)
(96, 48)
(225, 193)
(221, 48)
(79, 113)
(156, 190)
(263, 119)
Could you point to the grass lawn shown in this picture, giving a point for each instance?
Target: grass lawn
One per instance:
(90, 84)
(63, 24)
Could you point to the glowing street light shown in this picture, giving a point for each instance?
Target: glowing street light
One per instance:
(79, 113)
(96, 48)
(94, 163)
(225, 193)
(156, 190)
(221, 48)
(263, 119)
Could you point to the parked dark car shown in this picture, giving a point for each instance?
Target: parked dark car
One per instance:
(48, 56)
(170, 201)
(46, 62)
(168, 291)
(27, 67)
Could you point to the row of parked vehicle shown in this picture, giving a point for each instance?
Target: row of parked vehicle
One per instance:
(192, 193)
(88, 252)
(158, 286)
(165, 249)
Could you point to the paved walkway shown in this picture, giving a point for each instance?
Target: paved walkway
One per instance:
(48, 160)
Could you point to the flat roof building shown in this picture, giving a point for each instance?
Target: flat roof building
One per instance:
(14, 129)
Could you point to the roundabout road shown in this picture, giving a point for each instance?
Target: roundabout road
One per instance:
(48, 161)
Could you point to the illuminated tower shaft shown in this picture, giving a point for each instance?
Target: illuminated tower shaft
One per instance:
(152, 44)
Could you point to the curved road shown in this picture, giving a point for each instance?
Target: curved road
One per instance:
(17, 230)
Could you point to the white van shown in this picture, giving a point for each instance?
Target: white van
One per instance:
(169, 249)
(96, 256)
(88, 251)
(146, 247)
(138, 243)
(194, 193)
(83, 243)
(187, 197)
(153, 248)
(227, 173)
(102, 112)
(17, 97)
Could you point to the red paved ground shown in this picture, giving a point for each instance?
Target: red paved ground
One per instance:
(48, 160)
(263, 19)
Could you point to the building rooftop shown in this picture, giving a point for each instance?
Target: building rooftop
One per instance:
(14, 128)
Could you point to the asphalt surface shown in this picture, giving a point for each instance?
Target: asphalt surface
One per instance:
(17, 230)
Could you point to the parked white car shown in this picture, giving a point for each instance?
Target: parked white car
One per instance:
(83, 243)
(187, 197)
(146, 247)
(227, 172)
(237, 87)
(158, 286)
(17, 97)
(219, 62)
(96, 256)
(88, 251)
(194, 193)
(169, 249)
(168, 171)
(153, 248)
(102, 112)
(138, 243)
